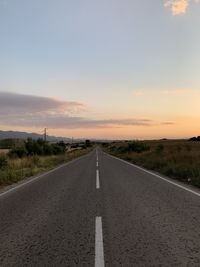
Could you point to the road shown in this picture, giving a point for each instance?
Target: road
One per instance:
(99, 211)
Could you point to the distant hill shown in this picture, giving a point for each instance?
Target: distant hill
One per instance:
(24, 135)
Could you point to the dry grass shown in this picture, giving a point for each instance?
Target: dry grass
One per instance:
(178, 159)
(18, 169)
(4, 151)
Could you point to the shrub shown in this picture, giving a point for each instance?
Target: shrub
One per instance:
(137, 146)
(195, 138)
(128, 147)
(18, 152)
(159, 148)
(188, 147)
(35, 160)
(9, 143)
(47, 149)
(3, 161)
(177, 159)
(35, 147)
(87, 143)
(58, 148)
(41, 147)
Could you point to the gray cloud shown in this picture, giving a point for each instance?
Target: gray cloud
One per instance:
(34, 111)
(66, 122)
(12, 103)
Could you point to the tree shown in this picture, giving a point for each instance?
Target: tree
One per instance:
(87, 143)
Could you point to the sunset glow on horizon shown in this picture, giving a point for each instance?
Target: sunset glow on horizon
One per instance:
(101, 69)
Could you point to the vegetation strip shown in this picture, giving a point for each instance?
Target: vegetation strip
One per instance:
(32, 157)
(177, 159)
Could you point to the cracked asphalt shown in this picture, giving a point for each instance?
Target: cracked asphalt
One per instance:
(50, 221)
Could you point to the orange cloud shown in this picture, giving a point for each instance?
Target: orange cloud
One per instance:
(22, 110)
(171, 92)
(178, 6)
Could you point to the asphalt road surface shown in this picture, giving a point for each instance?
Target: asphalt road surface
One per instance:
(99, 211)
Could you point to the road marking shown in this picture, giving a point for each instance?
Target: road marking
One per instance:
(97, 179)
(99, 253)
(97, 164)
(157, 176)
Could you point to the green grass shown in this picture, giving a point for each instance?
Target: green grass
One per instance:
(18, 169)
(178, 159)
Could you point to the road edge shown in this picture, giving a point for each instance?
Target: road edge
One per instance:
(10, 188)
(169, 180)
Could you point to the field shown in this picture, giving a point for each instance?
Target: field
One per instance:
(178, 159)
(16, 169)
(4, 151)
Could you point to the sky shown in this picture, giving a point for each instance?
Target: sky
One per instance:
(106, 69)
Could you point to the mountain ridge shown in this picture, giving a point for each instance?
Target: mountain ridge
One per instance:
(25, 135)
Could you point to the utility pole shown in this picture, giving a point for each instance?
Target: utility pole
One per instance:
(45, 134)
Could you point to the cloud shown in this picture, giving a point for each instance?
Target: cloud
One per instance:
(171, 92)
(138, 93)
(65, 122)
(167, 123)
(179, 92)
(19, 104)
(17, 110)
(178, 7)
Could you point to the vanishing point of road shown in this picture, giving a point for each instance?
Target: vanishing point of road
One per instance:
(99, 211)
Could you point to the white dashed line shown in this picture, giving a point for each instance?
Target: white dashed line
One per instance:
(99, 253)
(97, 164)
(97, 179)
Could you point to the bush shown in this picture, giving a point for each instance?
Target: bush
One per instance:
(87, 143)
(178, 159)
(58, 148)
(159, 148)
(134, 146)
(195, 138)
(137, 146)
(3, 161)
(35, 160)
(37, 147)
(9, 143)
(47, 149)
(18, 152)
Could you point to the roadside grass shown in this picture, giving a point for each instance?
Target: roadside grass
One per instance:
(14, 170)
(4, 151)
(178, 159)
